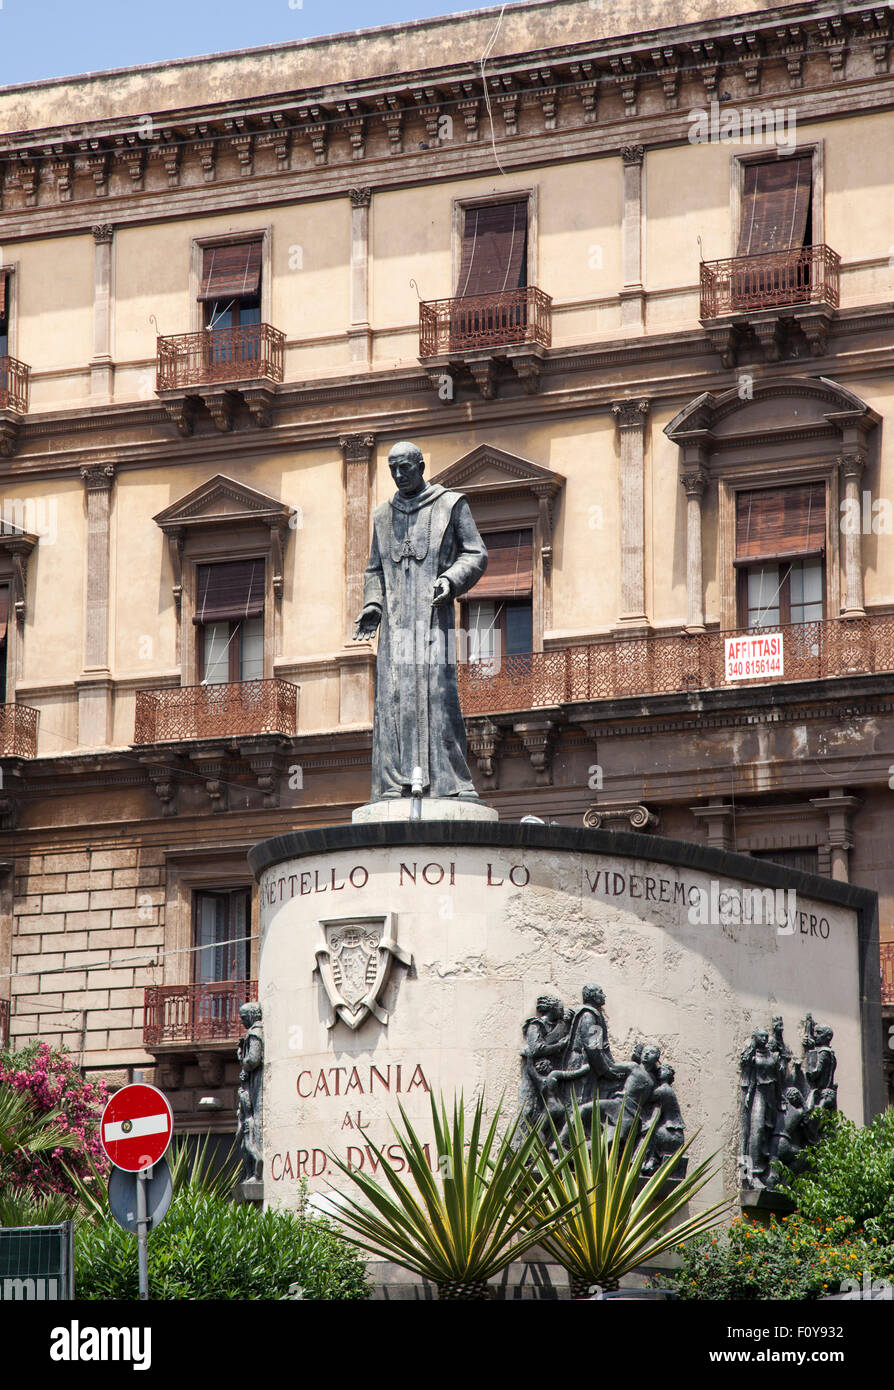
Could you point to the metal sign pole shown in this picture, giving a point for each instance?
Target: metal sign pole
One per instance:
(142, 1233)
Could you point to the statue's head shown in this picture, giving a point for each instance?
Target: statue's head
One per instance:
(651, 1055)
(250, 1013)
(666, 1075)
(549, 1004)
(823, 1034)
(407, 468)
(593, 994)
(828, 1099)
(761, 1037)
(794, 1097)
(777, 1024)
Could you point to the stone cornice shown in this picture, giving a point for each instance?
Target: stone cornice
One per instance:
(149, 167)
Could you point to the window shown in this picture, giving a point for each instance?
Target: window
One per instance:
(5, 599)
(230, 298)
(498, 612)
(4, 316)
(494, 248)
(780, 547)
(807, 860)
(776, 206)
(229, 617)
(222, 924)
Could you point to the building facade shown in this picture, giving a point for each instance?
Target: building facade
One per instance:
(628, 287)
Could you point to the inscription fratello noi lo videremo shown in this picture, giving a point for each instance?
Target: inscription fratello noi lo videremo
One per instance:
(702, 904)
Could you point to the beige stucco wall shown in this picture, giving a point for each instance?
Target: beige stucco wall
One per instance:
(54, 316)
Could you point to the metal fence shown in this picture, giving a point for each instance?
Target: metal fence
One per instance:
(36, 1263)
(655, 665)
(807, 275)
(216, 711)
(252, 353)
(485, 320)
(195, 1013)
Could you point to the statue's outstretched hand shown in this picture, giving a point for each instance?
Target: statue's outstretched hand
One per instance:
(442, 591)
(366, 625)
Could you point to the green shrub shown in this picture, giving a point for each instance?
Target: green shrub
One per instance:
(792, 1258)
(849, 1177)
(209, 1248)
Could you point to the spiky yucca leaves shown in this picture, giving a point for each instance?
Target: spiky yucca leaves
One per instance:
(615, 1220)
(24, 1207)
(467, 1219)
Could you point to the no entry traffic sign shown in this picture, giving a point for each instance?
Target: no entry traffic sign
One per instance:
(136, 1127)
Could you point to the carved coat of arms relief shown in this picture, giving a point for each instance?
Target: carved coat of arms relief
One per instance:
(354, 961)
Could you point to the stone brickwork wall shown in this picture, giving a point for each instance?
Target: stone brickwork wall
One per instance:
(80, 919)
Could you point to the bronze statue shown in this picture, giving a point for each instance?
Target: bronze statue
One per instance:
(783, 1100)
(250, 1052)
(426, 552)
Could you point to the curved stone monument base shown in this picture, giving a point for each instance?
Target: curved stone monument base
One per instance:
(398, 962)
(397, 808)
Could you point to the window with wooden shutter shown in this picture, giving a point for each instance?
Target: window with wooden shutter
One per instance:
(498, 611)
(510, 565)
(494, 249)
(231, 272)
(230, 615)
(776, 206)
(221, 926)
(780, 522)
(232, 590)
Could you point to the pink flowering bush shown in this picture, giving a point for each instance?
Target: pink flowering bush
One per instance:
(53, 1083)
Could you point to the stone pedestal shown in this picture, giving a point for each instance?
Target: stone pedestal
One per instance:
(399, 808)
(401, 959)
(251, 1191)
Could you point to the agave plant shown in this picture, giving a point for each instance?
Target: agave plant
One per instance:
(616, 1217)
(468, 1218)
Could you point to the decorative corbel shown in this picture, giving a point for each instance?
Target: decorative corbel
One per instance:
(601, 816)
(164, 784)
(484, 739)
(18, 586)
(544, 494)
(538, 738)
(211, 1068)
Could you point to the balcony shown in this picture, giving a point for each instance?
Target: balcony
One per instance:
(886, 951)
(14, 377)
(231, 710)
(195, 1014)
(18, 731)
(619, 668)
(14, 385)
(220, 368)
(4, 1023)
(473, 333)
(779, 279)
(773, 297)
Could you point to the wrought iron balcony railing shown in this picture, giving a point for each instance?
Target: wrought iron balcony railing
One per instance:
(780, 279)
(195, 1013)
(485, 320)
(253, 353)
(18, 731)
(655, 665)
(216, 711)
(4, 1023)
(886, 951)
(14, 385)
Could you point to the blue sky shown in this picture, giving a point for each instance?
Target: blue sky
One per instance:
(54, 38)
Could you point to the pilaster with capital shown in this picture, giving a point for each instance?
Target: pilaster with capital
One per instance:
(101, 361)
(839, 809)
(359, 333)
(94, 688)
(630, 419)
(694, 481)
(851, 467)
(632, 293)
(357, 451)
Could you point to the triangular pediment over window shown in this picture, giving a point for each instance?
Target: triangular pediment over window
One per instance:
(488, 469)
(223, 500)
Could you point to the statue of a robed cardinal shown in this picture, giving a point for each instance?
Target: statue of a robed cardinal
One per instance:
(426, 551)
